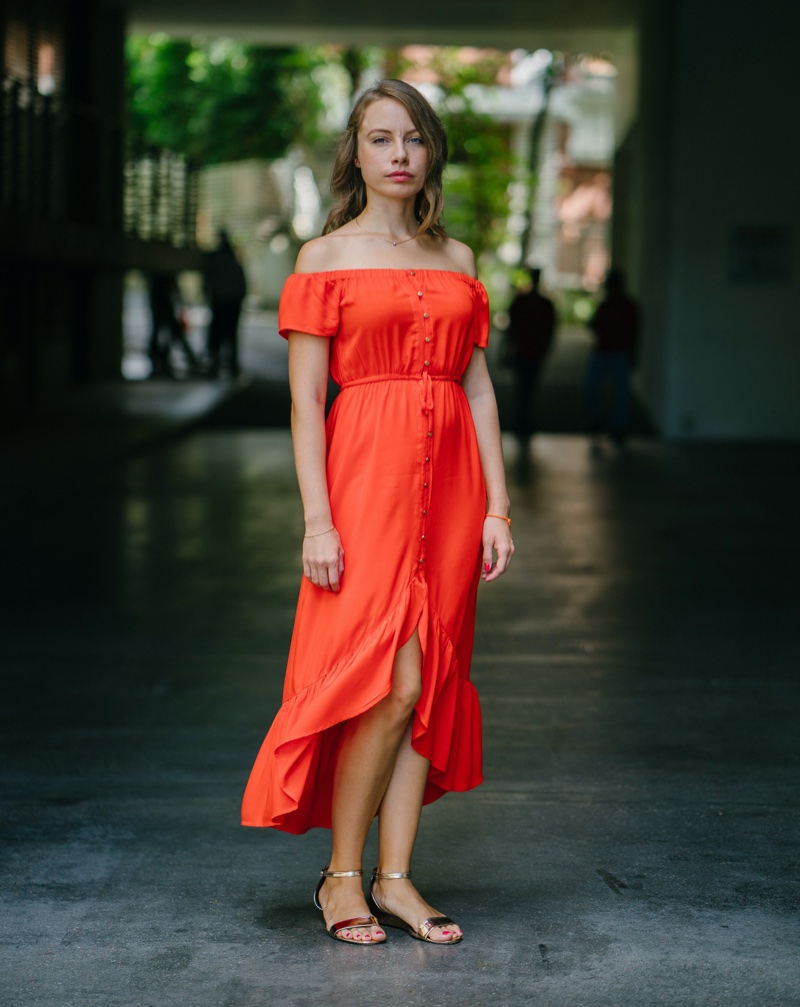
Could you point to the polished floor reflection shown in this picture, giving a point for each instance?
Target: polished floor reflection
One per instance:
(635, 842)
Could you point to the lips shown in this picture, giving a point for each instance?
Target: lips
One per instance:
(401, 175)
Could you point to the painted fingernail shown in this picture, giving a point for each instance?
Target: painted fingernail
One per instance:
(487, 567)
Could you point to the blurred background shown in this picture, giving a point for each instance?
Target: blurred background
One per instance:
(648, 136)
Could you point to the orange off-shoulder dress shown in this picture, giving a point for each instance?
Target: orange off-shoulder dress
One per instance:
(408, 499)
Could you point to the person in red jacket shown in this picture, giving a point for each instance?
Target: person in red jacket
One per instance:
(615, 326)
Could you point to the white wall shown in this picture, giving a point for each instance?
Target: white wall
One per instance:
(720, 146)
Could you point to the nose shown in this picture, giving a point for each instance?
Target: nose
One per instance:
(399, 154)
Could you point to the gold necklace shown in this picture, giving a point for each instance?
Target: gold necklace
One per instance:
(382, 237)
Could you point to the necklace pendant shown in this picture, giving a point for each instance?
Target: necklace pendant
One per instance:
(395, 244)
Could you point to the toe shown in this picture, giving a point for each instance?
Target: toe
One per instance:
(366, 935)
(446, 935)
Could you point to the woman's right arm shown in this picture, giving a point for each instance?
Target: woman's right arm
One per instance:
(323, 556)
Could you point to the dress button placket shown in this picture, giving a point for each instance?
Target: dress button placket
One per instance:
(426, 463)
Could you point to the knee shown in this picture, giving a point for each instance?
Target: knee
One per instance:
(403, 698)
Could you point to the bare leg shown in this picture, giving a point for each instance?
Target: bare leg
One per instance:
(399, 820)
(363, 770)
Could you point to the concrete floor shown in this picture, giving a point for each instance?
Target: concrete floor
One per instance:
(635, 841)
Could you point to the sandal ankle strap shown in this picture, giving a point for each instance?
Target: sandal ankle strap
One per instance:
(385, 876)
(325, 873)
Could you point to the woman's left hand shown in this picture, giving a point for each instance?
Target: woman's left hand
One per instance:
(496, 541)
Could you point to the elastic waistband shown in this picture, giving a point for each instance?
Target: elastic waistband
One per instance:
(425, 376)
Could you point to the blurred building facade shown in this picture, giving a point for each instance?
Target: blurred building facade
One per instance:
(560, 112)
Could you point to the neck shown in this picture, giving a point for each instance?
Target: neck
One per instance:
(395, 217)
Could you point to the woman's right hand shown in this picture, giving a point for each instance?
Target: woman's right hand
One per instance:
(323, 560)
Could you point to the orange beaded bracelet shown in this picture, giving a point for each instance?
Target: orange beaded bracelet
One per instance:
(501, 518)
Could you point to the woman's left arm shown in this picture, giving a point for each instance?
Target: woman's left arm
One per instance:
(496, 532)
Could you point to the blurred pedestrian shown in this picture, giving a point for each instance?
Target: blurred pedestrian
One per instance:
(615, 326)
(529, 338)
(225, 287)
(168, 326)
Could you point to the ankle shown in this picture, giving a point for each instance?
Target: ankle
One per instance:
(342, 884)
(393, 889)
(393, 873)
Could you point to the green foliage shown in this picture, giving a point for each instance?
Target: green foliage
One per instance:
(477, 178)
(159, 93)
(480, 163)
(219, 101)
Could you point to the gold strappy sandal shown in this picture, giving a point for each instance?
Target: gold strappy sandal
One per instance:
(422, 933)
(356, 921)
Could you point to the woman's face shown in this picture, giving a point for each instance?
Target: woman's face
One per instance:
(392, 155)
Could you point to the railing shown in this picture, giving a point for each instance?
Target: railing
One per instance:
(160, 200)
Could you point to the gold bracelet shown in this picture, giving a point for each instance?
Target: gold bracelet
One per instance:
(319, 533)
(501, 518)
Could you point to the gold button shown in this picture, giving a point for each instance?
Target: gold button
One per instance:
(419, 293)
(426, 315)
(411, 272)
(424, 485)
(421, 560)
(422, 537)
(427, 459)
(424, 512)
(427, 339)
(427, 363)
(430, 433)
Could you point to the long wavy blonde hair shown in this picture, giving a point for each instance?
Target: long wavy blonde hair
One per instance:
(347, 185)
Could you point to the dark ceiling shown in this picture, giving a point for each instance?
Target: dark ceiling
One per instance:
(560, 24)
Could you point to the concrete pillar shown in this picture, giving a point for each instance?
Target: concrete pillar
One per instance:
(95, 82)
(642, 212)
(718, 218)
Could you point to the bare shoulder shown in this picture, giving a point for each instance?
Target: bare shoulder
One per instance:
(320, 255)
(461, 257)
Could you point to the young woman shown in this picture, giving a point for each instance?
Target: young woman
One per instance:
(405, 509)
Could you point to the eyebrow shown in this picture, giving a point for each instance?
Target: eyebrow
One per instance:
(382, 129)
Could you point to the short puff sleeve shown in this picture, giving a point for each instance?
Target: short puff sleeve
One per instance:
(309, 303)
(480, 315)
